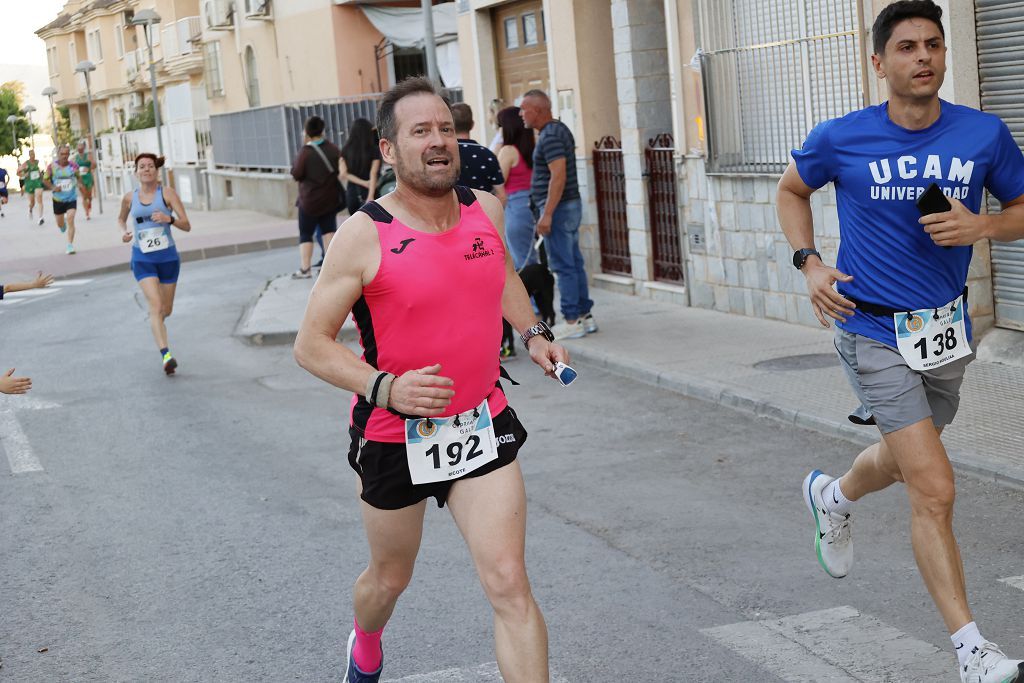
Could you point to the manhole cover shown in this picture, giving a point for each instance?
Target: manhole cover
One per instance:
(808, 361)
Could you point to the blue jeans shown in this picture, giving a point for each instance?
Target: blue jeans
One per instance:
(519, 229)
(566, 260)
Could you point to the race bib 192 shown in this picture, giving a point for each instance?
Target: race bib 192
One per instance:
(446, 448)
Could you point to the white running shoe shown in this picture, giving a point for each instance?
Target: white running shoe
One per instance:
(302, 274)
(988, 664)
(570, 330)
(832, 532)
(40, 221)
(589, 324)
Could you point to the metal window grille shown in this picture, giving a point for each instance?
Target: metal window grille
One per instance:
(771, 70)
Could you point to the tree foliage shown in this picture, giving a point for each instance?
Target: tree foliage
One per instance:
(10, 104)
(144, 119)
(64, 134)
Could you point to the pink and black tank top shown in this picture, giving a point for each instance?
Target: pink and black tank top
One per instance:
(435, 299)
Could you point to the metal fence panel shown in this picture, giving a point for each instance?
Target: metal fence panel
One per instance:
(613, 228)
(270, 137)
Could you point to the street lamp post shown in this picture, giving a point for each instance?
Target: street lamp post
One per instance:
(28, 109)
(85, 67)
(147, 18)
(13, 120)
(49, 91)
(429, 43)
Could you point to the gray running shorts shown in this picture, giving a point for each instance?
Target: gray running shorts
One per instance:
(892, 395)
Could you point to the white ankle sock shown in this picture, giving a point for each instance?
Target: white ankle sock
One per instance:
(966, 641)
(835, 501)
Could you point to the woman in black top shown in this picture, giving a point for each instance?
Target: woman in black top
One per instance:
(360, 164)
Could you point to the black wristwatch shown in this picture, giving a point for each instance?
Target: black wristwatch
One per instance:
(800, 257)
(540, 329)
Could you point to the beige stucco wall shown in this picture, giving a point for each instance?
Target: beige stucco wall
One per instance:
(355, 38)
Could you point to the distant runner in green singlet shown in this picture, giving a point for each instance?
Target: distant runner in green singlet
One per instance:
(84, 161)
(32, 177)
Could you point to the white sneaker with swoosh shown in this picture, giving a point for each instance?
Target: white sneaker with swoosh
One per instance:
(988, 664)
(832, 541)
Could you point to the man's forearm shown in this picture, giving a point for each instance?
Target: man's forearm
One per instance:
(1007, 226)
(515, 304)
(796, 219)
(555, 190)
(332, 362)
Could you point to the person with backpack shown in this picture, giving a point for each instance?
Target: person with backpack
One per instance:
(316, 170)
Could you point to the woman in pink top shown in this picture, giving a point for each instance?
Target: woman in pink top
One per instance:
(516, 159)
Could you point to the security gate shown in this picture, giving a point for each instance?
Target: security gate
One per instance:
(1000, 25)
(664, 212)
(610, 178)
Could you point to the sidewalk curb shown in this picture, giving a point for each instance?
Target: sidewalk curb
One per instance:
(348, 332)
(199, 254)
(720, 393)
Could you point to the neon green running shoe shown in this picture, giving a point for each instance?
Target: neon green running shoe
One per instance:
(170, 365)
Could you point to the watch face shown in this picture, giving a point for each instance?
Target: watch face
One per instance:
(798, 260)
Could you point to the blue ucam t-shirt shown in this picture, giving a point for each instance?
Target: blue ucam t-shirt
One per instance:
(879, 169)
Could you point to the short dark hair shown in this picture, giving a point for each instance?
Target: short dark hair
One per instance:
(314, 126)
(887, 19)
(387, 126)
(462, 115)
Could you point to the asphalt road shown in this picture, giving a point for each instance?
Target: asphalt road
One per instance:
(205, 527)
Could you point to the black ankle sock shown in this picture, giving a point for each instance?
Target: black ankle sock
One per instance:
(163, 351)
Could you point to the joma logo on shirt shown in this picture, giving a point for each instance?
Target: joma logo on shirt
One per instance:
(908, 168)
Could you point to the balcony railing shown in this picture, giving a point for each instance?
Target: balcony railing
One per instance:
(177, 37)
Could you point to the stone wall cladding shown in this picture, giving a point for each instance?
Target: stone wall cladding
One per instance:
(747, 268)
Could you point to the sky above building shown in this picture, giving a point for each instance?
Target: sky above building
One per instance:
(19, 20)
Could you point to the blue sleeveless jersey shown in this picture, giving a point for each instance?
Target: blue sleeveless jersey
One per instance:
(147, 233)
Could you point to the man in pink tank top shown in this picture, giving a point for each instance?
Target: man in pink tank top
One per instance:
(425, 273)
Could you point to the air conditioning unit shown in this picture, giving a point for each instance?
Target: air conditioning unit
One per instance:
(257, 9)
(220, 14)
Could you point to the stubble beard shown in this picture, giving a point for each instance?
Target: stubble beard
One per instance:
(423, 182)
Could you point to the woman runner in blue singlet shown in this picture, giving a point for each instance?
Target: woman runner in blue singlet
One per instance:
(152, 209)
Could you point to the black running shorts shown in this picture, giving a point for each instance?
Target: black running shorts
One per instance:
(60, 208)
(384, 469)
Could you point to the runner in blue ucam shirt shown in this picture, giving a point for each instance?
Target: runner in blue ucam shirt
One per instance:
(879, 170)
(904, 336)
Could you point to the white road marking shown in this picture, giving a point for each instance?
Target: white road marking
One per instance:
(839, 645)
(485, 673)
(1015, 581)
(20, 455)
(72, 282)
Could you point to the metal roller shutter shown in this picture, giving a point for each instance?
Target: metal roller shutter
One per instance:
(1000, 26)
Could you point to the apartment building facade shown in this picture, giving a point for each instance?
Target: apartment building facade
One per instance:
(684, 113)
(269, 65)
(102, 32)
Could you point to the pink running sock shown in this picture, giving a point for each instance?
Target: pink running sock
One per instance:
(366, 652)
